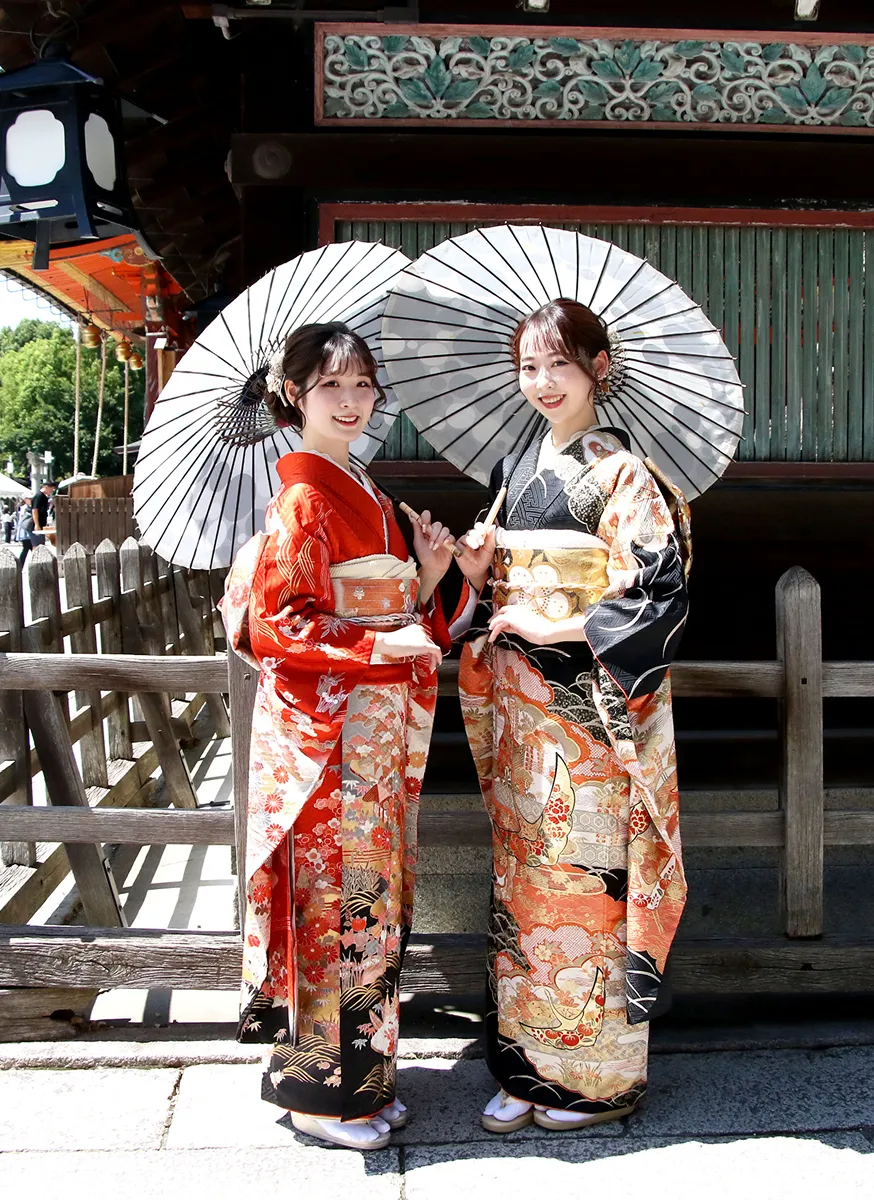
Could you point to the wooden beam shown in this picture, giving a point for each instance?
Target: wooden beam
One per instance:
(848, 679)
(147, 673)
(107, 299)
(50, 956)
(126, 827)
(167, 827)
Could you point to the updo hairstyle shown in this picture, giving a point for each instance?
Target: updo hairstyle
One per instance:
(567, 327)
(314, 350)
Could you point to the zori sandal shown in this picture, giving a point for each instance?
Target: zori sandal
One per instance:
(546, 1119)
(395, 1114)
(354, 1135)
(505, 1114)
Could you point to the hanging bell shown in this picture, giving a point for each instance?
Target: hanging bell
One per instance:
(136, 361)
(123, 350)
(90, 336)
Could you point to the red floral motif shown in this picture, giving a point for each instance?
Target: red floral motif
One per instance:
(273, 802)
(381, 838)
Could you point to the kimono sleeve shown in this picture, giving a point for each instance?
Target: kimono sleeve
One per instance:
(291, 617)
(634, 630)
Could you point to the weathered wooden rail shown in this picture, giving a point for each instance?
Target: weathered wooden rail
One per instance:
(127, 601)
(804, 960)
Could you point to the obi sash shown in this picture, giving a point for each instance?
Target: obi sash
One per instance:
(556, 578)
(379, 591)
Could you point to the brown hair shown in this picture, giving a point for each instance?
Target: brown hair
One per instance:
(318, 350)
(568, 327)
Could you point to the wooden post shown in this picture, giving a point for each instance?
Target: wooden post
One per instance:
(109, 585)
(169, 616)
(799, 647)
(243, 683)
(64, 785)
(45, 603)
(14, 747)
(155, 706)
(77, 578)
(192, 627)
(159, 636)
(199, 582)
(151, 624)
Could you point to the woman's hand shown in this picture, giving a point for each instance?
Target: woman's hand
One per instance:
(477, 554)
(411, 641)
(516, 618)
(433, 545)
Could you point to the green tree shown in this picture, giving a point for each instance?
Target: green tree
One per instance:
(37, 399)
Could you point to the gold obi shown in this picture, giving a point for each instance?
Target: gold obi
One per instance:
(379, 590)
(558, 581)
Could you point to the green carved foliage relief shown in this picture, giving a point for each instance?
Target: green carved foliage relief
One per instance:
(404, 77)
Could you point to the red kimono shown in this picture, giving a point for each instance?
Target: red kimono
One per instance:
(339, 745)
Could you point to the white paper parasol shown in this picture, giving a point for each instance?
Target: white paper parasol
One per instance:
(673, 385)
(205, 470)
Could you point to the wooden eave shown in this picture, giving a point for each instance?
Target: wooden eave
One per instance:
(104, 281)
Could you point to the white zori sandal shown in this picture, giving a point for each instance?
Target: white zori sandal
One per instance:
(504, 1114)
(372, 1134)
(394, 1114)
(561, 1118)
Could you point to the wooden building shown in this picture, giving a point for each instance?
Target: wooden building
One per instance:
(737, 158)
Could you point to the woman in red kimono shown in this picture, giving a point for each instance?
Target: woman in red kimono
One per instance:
(567, 702)
(347, 633)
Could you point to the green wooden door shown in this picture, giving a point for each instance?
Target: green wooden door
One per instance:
(791, 304)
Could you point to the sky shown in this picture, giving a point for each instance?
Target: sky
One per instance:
(18, 302)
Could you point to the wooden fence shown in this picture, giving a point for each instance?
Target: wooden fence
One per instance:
(806, 959)
(125, 602)
(89, 521)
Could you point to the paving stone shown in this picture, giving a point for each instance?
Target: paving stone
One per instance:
(84, 1110)
(757, 1092)
(761, 1168)
(446, 1098)
(220, 1105)
(301, 1172)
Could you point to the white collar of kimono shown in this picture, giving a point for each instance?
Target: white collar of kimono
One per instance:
(549, 452)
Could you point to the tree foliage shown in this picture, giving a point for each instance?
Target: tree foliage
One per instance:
(37, 399)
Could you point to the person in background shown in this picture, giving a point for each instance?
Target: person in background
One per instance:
(24, 528)
(8, 518)
(42, 504)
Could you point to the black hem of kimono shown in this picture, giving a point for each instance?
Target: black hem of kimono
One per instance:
(514, 1073)
(315, 1100)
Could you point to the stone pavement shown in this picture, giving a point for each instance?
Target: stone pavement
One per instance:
(786, 1124)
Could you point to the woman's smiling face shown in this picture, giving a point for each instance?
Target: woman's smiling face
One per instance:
(337, 406)
(558, 387)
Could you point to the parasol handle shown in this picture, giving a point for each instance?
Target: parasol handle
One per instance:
(414, 516)
(495, 509)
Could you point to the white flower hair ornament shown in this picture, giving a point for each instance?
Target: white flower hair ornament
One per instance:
(275, 376)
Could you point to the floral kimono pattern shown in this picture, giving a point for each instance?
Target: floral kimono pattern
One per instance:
(574, 748)
(338, 752)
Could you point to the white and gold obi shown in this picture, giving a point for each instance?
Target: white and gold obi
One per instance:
(558, 573)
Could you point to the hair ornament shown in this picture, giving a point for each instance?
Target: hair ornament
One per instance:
(614, 377)
(275, 374)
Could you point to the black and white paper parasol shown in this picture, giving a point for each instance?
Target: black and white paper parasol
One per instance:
(205, 469)
(446, 335)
